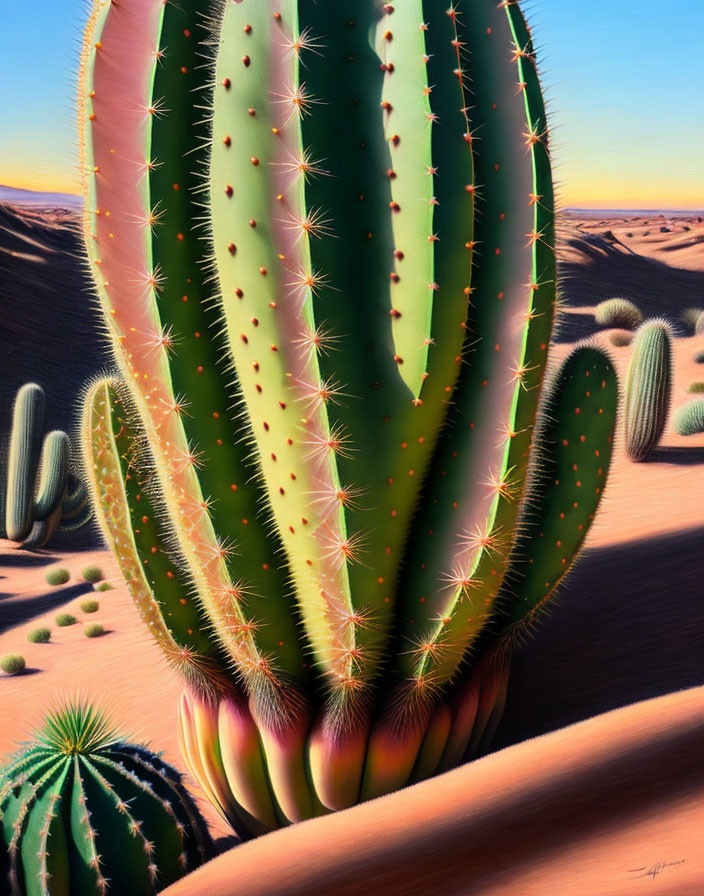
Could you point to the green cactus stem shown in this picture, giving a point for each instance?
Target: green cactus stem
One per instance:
(39, 494)
(85, 812)
(312, 467)
(648, 389)
(689, 420)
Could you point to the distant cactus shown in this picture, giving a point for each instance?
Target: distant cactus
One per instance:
(620, 338)
(648, 389)
(618, 313)
(695, 388)
(86, 814)
(57, 576)
(90, 606)
(13, 664)
(689, 318)
(689, 420)
(40, 495)
(104, 586)
(698, 357)
(93, 630)
(321, 564)
(39, 635)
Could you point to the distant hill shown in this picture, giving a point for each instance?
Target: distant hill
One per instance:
(16, 196)
(49, 326)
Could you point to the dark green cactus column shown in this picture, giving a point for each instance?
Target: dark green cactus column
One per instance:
(648, 388)
(23, 460)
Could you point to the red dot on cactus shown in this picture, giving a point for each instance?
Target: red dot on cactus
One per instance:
(247, 29)
(228, 190)
(175, 187)
(395, 139)
(500, 296)
(263, 271)
(254, 160)
(255, 321)
(199, 368)
(186, 32)
(252, 112)
(252, 223)
(244, 339)
(497, 251)
(394, 313)
(386, 106)
(232, 248)
(246, 61)
(277, 16)
(233, 487)
(226, 83)
(577, 411)
(227, 140)
(394, 277)
(184, 70)
(266, 426)
(180, 237)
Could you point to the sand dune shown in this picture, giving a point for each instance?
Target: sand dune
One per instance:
(613, 806)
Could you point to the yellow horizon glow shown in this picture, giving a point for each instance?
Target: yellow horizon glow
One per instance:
(612, 194)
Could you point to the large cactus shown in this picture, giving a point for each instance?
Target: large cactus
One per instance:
(84, 812)
(38, 493)
(315, 475)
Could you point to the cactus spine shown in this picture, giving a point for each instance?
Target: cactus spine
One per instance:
(82, 811)
(339, 423)
(40, 494)
(648, 389)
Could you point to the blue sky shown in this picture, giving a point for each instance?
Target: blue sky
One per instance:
(623, 76)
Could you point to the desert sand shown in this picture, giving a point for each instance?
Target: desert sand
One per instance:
(572, 812)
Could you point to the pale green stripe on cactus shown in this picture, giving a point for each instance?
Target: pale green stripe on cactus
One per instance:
(465, 529)
(261, 232)
(120, 129)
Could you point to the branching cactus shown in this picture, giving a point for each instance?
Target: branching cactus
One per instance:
(83, 811)
(648, 388)
(39, 494)
(315, 472)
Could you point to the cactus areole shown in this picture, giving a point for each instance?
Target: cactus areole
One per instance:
(325, 255)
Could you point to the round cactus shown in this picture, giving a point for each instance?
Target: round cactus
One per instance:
(648, 388)
(618, 313)
(39, 636)
(689, 420)
(13, 664)
(84, 812)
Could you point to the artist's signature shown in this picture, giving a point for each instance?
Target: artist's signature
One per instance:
(653, 871)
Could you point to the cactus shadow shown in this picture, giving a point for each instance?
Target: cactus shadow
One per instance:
(18, 610)
(26, 559)
(679, 455)
(621, 631)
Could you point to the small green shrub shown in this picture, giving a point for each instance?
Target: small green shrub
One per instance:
(618, 313)
(620, 338)
(689, 318)
(92, 574)
(689, 420)
(13, 664)
(104, 586)
(39, 635)
(64, 619)
(93, 630)
(58, 576)
(695, 388)
(90, 606)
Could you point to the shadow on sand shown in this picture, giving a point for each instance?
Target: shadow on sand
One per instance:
(628, 625)
(17, 610)
(678, 455)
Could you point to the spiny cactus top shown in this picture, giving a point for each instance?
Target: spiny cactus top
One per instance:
(315, 478)
(84, 812)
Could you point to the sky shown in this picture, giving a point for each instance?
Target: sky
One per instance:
(623, 78)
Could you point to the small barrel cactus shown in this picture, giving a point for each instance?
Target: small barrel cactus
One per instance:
(83, 812)
(39, 495)
(619, 313)
(689, 420)
(313, 465)
(648, 388)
